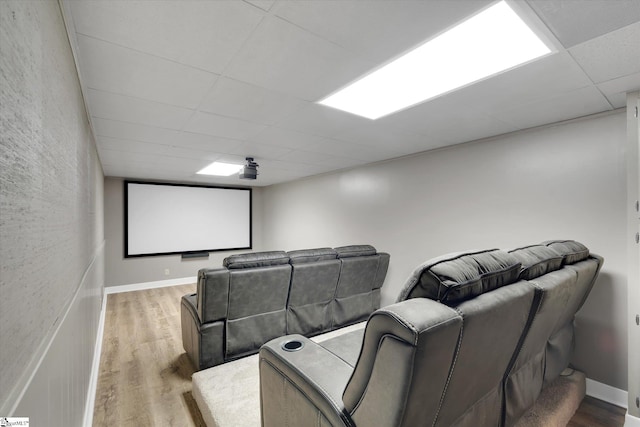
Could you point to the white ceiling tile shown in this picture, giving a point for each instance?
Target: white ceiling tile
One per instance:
(137, 132)
(259, 151)
(284, 58)
(343, 162)
(319, 120)
(303, 168)
(135, 24)
(117, 144)
(286, 138)
(276, 175)
(548, 76)
(133, 131)
(107, 105)
(578, 103)
(613, 55)
(199, 141)
(442, 120)
(116, 69)
(371, 28)
(352, 151)
(173, 163)
(106, 143)
(232, 98)
(145, 171)
(383, 135)
(215, 30)
(204, 34)
(616, 90)
(212, 124)
(576, 21)
(307, 157)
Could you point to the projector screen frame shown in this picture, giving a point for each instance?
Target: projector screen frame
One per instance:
(194, 251)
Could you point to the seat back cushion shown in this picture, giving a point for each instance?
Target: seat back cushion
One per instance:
(571, 250)
(404, 364)
(313, 285)
(560, 345)
(355, 250)
(537, 260)
(255, 260)
(257, 301)
(305, 256)
(453, 278)
(494, 323)
(355, 298)
(524, 380)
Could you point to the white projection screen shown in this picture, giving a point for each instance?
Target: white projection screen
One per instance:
(164, 219)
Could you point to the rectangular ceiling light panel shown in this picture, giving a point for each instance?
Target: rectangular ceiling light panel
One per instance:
(220, 169)
(488, 43)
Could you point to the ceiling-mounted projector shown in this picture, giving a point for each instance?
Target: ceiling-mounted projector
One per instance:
(250, 170)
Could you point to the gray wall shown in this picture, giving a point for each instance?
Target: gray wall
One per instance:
(127, 271)
(51, 221)
(562, 181)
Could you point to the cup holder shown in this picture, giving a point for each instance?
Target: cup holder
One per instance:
(293, 345)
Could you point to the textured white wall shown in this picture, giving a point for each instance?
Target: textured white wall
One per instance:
(51, 220)
(563, 181)
(127, 271)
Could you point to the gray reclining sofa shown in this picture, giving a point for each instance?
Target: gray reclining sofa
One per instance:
(472, 341)
(258, 296)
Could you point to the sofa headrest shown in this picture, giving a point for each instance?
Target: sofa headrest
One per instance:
(311, 255)
(571, 250)
(355, 250)
(256, 259)
(457, 277)
(537, 260)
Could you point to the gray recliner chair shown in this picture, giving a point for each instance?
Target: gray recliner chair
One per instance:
(262, 295)
(467, 344)
(236, 308)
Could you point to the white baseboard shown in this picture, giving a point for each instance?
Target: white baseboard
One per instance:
(631, 421)
(149, 285)
(95, 367)
(609, 394)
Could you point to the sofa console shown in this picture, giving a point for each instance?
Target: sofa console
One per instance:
(258, 296)
(472, 340)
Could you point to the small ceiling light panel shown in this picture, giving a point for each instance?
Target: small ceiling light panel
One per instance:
(490, 42)
(220, 169)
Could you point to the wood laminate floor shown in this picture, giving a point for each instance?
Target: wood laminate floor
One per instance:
(145, 375)
(596, 413)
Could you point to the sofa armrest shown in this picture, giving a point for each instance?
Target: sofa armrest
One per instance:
(381, 273)
(203, 342)
(213, 294)
(302, 387)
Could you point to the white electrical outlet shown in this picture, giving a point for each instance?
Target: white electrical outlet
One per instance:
(166, 272)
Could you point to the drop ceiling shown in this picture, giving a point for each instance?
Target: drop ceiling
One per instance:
(171, 86)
